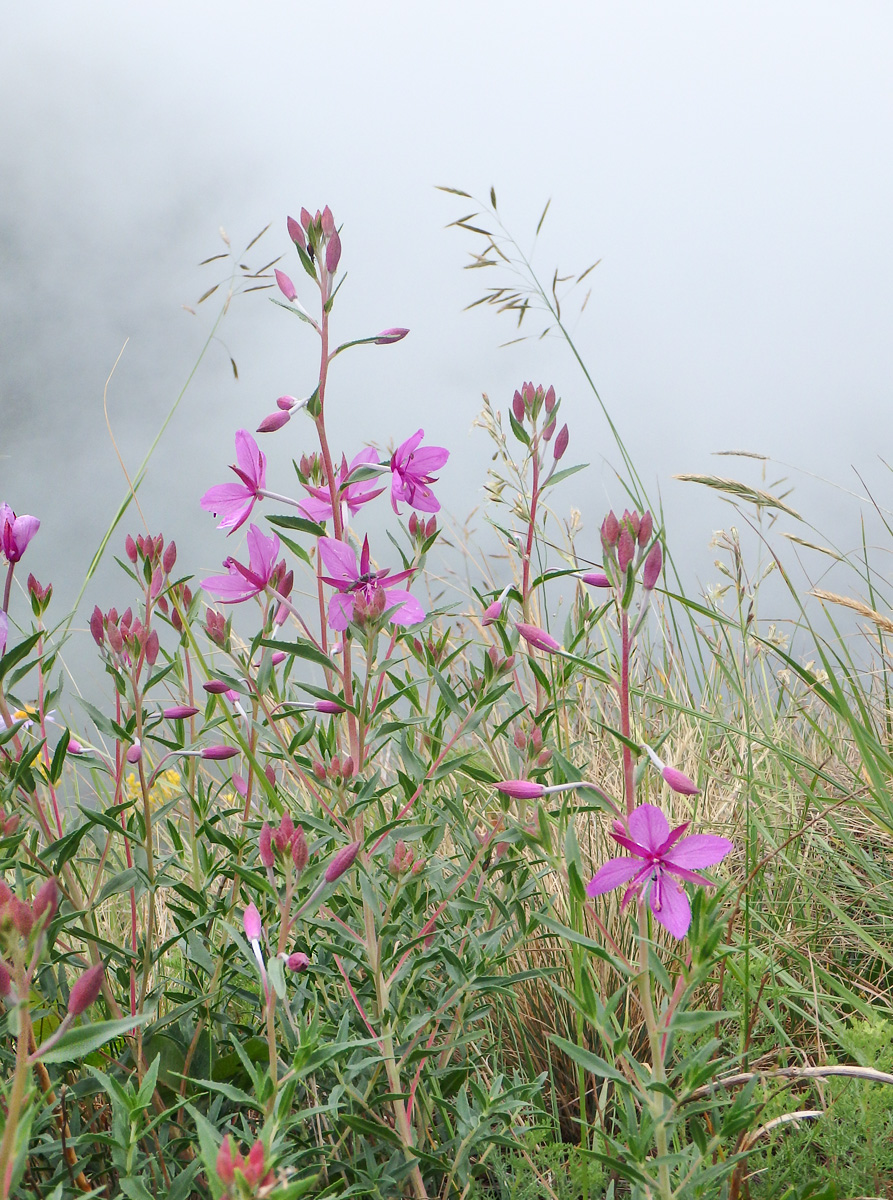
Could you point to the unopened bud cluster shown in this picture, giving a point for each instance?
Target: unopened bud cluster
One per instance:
(125, 638)
(286, 844)
(243, 1177)
(404, 861)
(530, 745)
(627, 546)
(528, 403)
(318, 244)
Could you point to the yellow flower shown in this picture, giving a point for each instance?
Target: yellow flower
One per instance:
(165, 788)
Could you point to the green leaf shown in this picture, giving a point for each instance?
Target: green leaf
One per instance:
(589, 1061)
(301, 648)
(17, 653)
(77, 1043)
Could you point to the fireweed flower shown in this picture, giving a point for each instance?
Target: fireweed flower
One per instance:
(358, 583)
(244, 582)
(15, 533)
(318, 506)
(234, 501)
(659, 853)
(411, 468)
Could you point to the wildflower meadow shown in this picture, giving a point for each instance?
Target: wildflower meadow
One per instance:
(563, 881)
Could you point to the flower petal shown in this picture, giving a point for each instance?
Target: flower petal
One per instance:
(670, 906)
(612, 874)
(341, 610)
(699, 850)
(648, 826)
(410, 611)
(340, 560)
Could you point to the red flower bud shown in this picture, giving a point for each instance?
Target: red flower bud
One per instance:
(46, 901)
(152, 648)
(85, 990)
(342, 861)
(179, 712)
(219, 752)
(130, 548)
(653, 564)
(610, 531)
(296, 233)
(265, 845)
(226, 1163)
(646, 528)
(96, 626)
(274, 421)
(520, 789)
(170, 557)
(5, 980)
(625, 548)
(518, 406)
(550, 399)
(297, 962)
(333, 253)
(560, 443)
(300, 852)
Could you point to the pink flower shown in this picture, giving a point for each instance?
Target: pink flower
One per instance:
(15, 533)
(244, 582)
(411, 467)
(318, 507)
(538, 638)
(658, 853)
(372, 590)
(234, 501)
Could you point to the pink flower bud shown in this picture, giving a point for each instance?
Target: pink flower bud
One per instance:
(219, 752)
(342, 861)
(327, 706)
(550, 399)
(328, 221)
(625, 548)
(286, 286)
(388, 336)
(520, 789)
(5, 980)
(251, 923)
(47, 900)
(297, 961)
(538, 638)
(646, 528)
(134, 753)
(273, 422)
(21, 915)
(653, 564)
(306, 219)
(216, 687)
(265, 845)
(152, 648)
(300, 852)
(179, 712)
(518, 406)
(492, 613)
(85, 990)
(596, 579)
(680, 783)
(170, 557)
(296, 233)
(277, 657)
(286, 403)
(544, 758)
(610, 531)
(549, 431)
(333, 253)
(560, 443)
(130, 548)
(253, 1168)
(96, 626)
(226, 1163)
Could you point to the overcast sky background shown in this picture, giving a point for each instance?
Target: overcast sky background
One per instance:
(729, 164)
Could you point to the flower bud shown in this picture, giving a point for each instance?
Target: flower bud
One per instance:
(549, 431)
(297, 961)
(85, 990)
(680, 783)
(217, 753)
(46, 901)
(333, 253)
(653, 564)
(134, 752)
(152, 648)
(179, 712)
(286, 286)
(273, 422)
(327, 706)
(300, 851)
(328, 222)
(610, 531)
(96, 626)
(389, 336)
(520, 789)
(265, 845)
(342, 861)
(518, 406)
(646, 528)
(625, 548)
(550, 399)
(226, 1162)
(296, 233)
(596, 579)
(538, 638)
(5, 980)
(170, 557)
(216, 687)
(560, 443)
(251, 923)
(253, 1167)
(130, 549)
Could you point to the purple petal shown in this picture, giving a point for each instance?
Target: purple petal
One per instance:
(340, 560)
(428, 459)
(315, 509)
(263, 552)
(670, 906)
(410, 611)
(251, 458)
(699, 850)
(341, 610)
(406, 448)
(612, 874)
(230, 589)
(648, 826)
